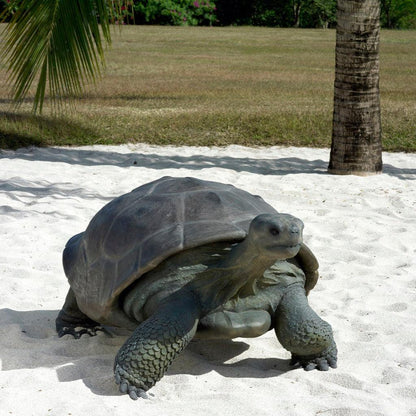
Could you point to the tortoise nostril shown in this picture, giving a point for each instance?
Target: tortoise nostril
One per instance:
(294, 229)
(274, 231)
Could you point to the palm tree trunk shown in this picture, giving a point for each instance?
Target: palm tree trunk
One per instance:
(356, 130)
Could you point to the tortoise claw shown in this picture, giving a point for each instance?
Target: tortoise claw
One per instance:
(71, 321)
(135, 393)
(77, 332)
(126, 388)
(321, 362)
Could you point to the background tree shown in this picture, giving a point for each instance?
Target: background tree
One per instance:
(356, 132)
(398, 14)
(56, 42)
(175, 12)
(234, 12)
(319, 13)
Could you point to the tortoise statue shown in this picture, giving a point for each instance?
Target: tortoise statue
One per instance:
(180, 258)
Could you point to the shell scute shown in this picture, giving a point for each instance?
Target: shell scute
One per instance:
(139, 220)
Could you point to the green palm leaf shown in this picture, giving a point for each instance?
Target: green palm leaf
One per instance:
(56, 42)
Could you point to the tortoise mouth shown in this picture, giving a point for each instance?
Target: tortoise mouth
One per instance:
(284, 246)
(284, 250)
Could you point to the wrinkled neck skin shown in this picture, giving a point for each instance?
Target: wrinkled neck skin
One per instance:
(235, 274)
(246, 263)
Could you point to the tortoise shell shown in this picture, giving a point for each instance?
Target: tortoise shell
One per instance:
(135, 232)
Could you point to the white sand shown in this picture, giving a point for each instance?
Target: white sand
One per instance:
(363, 230)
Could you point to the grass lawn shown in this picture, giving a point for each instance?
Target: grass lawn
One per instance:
(218, 86)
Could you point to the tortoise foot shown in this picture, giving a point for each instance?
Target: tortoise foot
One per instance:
(71, 321)
(322, 362)
(125, 387)
(78, 331)
(76, 324)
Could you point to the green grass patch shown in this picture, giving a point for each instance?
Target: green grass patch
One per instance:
(218, 86)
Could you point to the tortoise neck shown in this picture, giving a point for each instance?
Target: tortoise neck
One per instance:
(245, 265)
(235, 275)
(246, 258)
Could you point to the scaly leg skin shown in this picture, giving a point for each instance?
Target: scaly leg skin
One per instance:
(301, 331)
(72, 321)
(147, 354)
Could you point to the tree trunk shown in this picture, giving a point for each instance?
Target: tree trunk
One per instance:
(356, 130)
(296, 13)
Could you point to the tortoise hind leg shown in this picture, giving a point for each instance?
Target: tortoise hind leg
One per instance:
(71, 320)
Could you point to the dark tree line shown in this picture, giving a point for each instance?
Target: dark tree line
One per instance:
(277, 13)
(394, 14)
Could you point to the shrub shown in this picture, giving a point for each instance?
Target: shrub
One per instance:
(179, 12)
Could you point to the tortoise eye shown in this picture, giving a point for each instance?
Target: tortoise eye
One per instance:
(274, 231)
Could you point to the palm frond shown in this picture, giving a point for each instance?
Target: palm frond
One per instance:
(56, 42)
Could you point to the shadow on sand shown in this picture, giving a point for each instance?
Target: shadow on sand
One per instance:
(278, 166)
(28, 341)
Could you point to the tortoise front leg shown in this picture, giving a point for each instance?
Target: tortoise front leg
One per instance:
(301, 331)
(147, 354)
(72, 321)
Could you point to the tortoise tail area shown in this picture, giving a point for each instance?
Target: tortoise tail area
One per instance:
(70, 256)
(75, 267)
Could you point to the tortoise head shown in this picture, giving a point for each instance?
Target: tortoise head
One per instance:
(276, 235)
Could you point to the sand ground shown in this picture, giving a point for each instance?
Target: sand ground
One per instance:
(363, 231)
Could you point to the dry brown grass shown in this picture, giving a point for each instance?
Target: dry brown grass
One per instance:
(216, 86)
